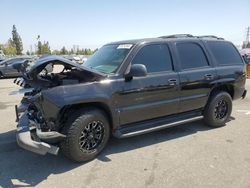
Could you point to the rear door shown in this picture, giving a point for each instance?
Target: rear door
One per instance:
(196, 75)
(230, 67)
(154, 95)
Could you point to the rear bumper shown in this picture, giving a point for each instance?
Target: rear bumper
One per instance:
(25, 140)
(244, 94)
(239, 93)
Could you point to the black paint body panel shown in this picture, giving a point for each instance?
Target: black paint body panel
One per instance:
(149, 97)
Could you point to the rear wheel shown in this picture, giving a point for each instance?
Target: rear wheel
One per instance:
(218, 110)
(1, 75)
(87, 134)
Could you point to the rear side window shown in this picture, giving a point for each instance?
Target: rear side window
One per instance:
(224, 52)
(156, 58)
(191, 55)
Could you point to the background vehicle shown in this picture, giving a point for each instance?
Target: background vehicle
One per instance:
(2, 56)
(7, 69)
(129, 88)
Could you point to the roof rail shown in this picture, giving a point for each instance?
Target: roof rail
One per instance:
(177, 36)
(210, 36)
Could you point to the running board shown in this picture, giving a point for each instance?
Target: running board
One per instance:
(134, 130)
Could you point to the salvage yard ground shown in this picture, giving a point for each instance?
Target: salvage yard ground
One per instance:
(190, 155)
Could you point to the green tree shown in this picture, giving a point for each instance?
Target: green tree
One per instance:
(9, 48)
(17, 41)
(39, 46)
(64, 51)
(42, 48)
(45, 49)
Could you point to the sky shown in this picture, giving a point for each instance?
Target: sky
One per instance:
(91, 24)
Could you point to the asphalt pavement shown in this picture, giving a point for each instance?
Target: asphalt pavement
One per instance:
(190, 155)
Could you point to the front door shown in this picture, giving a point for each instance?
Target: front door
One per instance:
(155, 95)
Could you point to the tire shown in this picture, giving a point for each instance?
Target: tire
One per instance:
(218, 109)
(1, 75)
(79, 130)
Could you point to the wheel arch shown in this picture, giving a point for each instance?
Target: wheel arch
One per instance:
(223, 87)
(68, 109)
(226, 87)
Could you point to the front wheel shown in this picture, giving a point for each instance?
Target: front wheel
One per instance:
(218, 109)
(87, 133)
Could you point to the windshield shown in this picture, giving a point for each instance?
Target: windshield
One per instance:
(108, 58)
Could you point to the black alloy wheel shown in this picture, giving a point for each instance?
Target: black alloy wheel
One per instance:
(91, 136)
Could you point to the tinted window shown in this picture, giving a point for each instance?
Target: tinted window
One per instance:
(224, 52)
(155, 57)
(13, 60)
(191, 55)
(10, 61)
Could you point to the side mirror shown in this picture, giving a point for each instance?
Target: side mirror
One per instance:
(136, 70)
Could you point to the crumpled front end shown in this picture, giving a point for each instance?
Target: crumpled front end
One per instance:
(27, 141)
(32, 132)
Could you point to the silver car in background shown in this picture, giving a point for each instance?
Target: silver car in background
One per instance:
(6, 67)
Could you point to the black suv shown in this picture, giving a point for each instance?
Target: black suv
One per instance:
(128, 88)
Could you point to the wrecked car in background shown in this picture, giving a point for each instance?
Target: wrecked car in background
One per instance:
(7, 67)
(2, 55)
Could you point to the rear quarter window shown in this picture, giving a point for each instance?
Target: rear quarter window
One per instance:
(224, 52)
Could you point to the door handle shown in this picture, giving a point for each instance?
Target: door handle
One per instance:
(209, 76)
(172, 82)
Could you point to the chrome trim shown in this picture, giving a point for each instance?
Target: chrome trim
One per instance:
(159, 127)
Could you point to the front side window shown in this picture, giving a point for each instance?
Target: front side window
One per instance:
(156, 58)
(191, 55)
(108, 58)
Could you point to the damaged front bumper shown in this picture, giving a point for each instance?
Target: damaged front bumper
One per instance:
(25, 128)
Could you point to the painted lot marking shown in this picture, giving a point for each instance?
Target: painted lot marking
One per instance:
(247, 112)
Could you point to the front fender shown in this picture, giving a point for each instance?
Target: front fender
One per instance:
(52, 101)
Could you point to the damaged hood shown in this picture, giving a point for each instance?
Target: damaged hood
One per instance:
(31, 75)
(42, 62)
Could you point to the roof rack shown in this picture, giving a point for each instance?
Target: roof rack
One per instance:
(210, 36)
(177, 36)
(191, 36)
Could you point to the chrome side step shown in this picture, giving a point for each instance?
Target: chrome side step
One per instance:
(134, 131)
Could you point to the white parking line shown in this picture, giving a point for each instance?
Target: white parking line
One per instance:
(247, 112)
